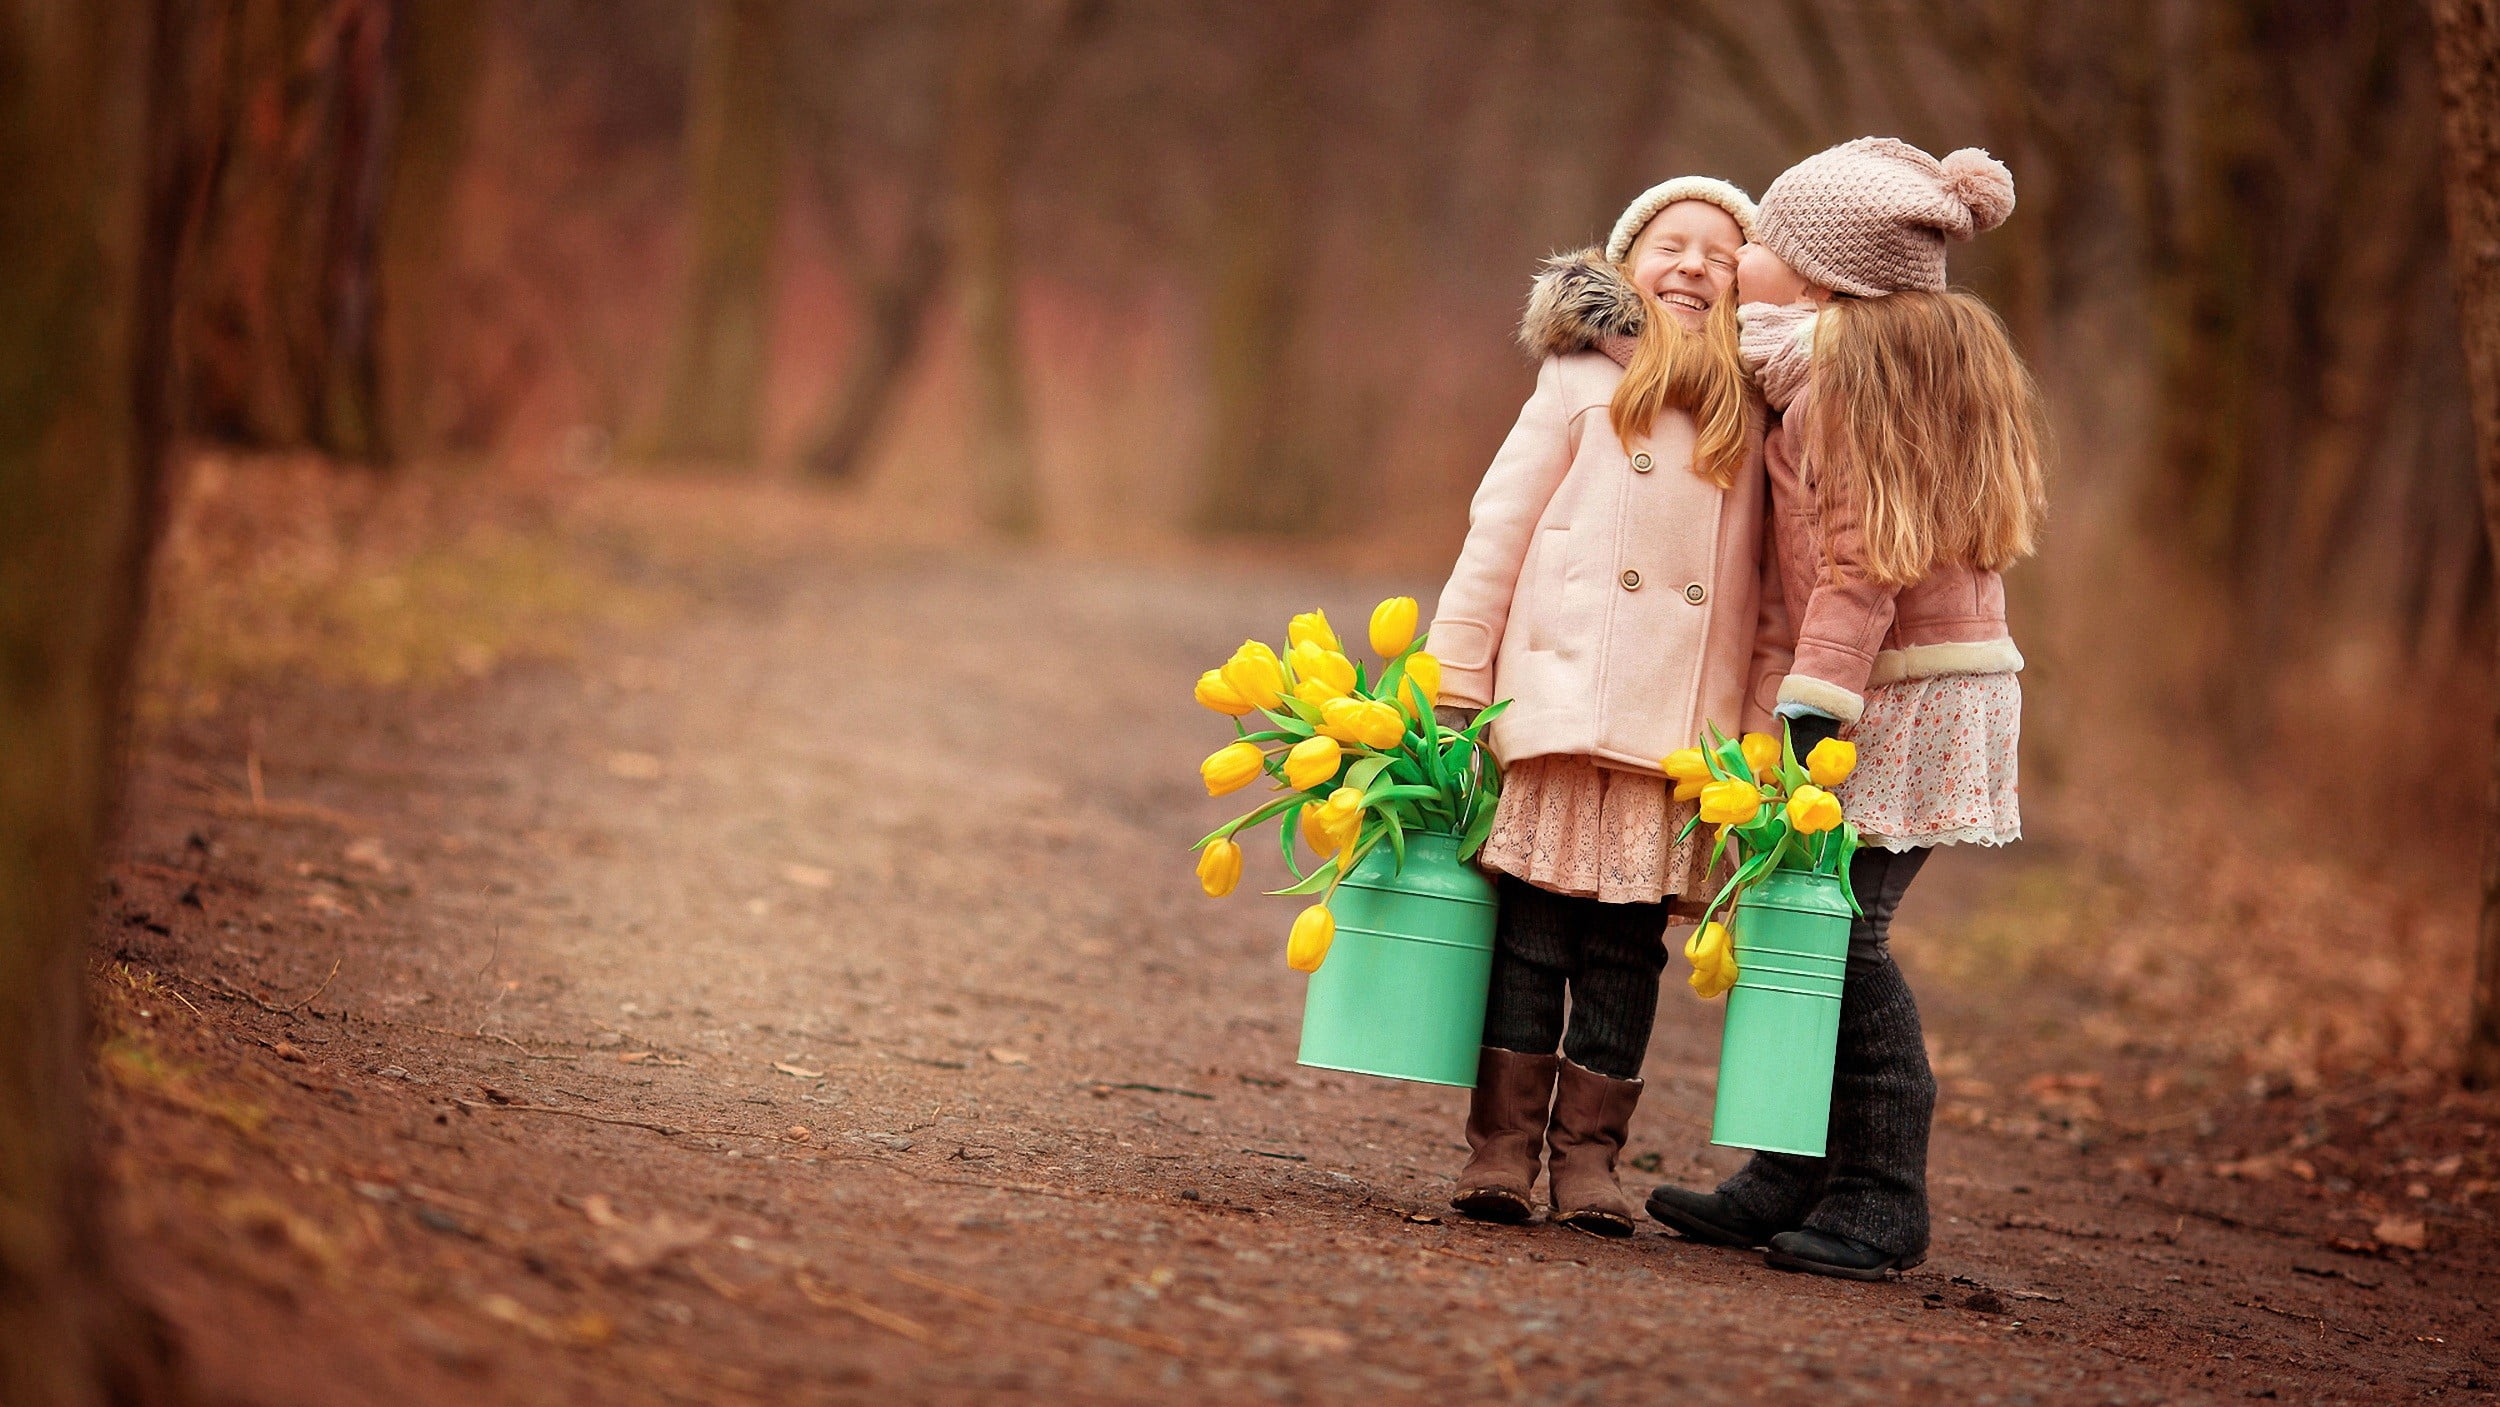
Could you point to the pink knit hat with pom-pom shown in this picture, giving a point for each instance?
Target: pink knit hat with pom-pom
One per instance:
(1872, 216)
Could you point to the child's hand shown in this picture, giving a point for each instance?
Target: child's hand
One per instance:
(1805, 730)
(1453, 717)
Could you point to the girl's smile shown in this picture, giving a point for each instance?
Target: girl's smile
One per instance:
(1685, 259)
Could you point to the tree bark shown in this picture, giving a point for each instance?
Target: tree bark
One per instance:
(441, 44)
(710, 404)
(897, 316)
(2467, 38)
(83, 337)
(1259, 477)
(983, 220)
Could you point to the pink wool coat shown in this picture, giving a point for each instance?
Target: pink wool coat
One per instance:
(1829, 633)
(1607, 591)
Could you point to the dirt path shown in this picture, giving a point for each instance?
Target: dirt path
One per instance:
(810, 1001)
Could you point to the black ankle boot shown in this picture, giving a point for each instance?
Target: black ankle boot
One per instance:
(1708, 1218)
(1829, 1253)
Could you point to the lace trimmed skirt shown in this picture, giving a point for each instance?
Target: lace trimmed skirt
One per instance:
(1936, 762)
(1572, 825)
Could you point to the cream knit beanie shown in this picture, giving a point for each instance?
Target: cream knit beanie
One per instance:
(1872, 216)
(1658, 197)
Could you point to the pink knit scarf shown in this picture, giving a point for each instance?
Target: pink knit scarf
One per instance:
(1777, 344)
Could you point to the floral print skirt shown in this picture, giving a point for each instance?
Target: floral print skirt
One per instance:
(1572, 825)
(1936, 762)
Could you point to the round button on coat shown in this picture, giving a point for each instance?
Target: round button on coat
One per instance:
(1642, 463)
(1696, 593)
(1631, 580)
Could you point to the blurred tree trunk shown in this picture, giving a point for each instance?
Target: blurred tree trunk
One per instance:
(2467, 36)
(983, 103)
(1258, 478)
(84, 323)
(441, 48)
(897, 317)
(709, 406)
(279, 347)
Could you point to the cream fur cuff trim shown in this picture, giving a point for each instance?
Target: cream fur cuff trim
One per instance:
(1928, 661)
(1820, 694)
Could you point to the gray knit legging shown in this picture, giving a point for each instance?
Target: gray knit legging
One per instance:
(1873, 1184)
(1608, 956)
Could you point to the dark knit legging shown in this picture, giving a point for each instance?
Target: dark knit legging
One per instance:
(1607, 956)
(1872, 1185)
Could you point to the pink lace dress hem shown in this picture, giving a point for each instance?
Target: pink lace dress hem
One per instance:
(1936, 763)
(1571, 825)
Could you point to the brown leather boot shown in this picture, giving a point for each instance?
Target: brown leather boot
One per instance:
(1591, 1115)
(1506, 1132)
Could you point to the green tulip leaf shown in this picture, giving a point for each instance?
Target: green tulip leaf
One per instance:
(1324, 877)
(1285, 833)
(1478, 828)
(1239, 823)
(1293, 725)
(1361, 775)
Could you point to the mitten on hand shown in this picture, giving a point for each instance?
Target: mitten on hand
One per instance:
(1807, 729)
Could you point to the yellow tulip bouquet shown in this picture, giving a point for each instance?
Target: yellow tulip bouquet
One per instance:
(1773, 812)
(1357, 755)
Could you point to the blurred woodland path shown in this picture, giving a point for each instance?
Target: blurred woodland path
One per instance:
(806, 997)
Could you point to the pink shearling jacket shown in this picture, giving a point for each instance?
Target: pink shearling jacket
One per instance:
(1829, 633)
(1607, 591)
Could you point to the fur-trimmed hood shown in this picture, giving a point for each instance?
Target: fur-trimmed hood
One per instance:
(1579, 303)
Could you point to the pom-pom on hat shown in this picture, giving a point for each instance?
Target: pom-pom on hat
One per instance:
(1658, 197)
(1873, 216)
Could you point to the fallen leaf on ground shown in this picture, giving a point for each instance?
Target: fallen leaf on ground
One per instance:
(1319, 1340)
(1005, 1056)
(600, 1211)
(663, 1238)
(368, 852)
(634, 766)
(798, 1071)
(808, 876)
(2404, 1233)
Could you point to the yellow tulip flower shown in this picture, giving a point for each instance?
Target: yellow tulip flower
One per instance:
(1366, 721)
(1686, 791)
(1216, 694)
(1335, 823)
(1219, 868)
(1312, 761)
(1313, 661)
(1256, 674)
(1313, 930)
(1730, 803)
(1317, 691)
(1713, 956)
(1762, 753)
(1425, 670)
(1685, 764)
(1831, 762)
(1393, 626)
(1311, 626)
(1231, 767)
(1813, 810)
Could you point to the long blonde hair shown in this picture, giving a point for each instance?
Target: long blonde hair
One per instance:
(1922, 408)
(1698, 373)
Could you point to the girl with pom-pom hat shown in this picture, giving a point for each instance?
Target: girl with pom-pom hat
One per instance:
(1905, 474)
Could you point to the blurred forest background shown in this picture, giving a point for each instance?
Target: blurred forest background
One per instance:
(1111, 275)
(412, 301)
(1102, 278)
(1096, 278)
